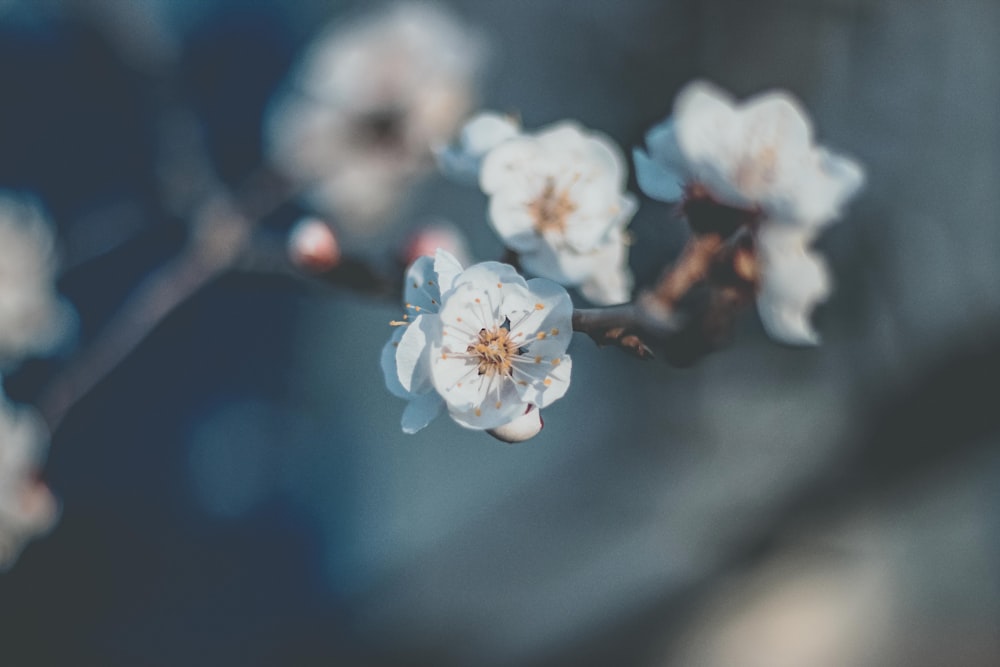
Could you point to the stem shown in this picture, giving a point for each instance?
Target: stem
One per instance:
(690, 268)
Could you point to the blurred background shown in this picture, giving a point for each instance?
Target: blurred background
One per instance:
(238, 492)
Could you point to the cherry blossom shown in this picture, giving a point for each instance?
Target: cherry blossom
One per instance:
(557, 198)
(370, 99)
(757, 155)
(484, 343)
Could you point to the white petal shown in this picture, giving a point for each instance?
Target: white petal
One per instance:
(421, 411)
(794, 280)
(505, 165)
(655, 179)
(824, 190)
(546, 382)
(412, 355)
(420, 289)
(523, 428)
(612, 283)
(707, 125)
(776, 118)
(447, 268)
(388, 360)
(546, 325)
(486, 414)
(486, 131)
(511, 219)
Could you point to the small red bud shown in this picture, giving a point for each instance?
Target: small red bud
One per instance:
(313, 246)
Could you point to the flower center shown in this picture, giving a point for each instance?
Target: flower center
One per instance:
(551, 209)
(758, 170)
(495, 352)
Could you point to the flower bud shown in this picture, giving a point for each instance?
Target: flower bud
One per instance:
(523, 428)
(313, 246)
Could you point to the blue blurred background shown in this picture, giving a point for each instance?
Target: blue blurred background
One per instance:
(238, 492)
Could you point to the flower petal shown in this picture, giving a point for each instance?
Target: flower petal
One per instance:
(447, 268)
(412, 355)
(421, 411)
(655, 179)
(545, 382)
(547, 323)
(388, 360)
(421, 289)
(500, 404)
(794, 281)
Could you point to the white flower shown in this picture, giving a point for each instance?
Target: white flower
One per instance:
(794, 279)
(33, 318)
(757, 155)
(367, 104)
(557, 198)
(494, 348)
(27, 507)
(484, 132)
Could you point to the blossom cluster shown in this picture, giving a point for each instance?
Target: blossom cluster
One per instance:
(558, 201)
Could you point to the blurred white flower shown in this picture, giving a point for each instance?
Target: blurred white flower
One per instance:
(793, 281)
(27, 507)
(33, 318)
(367, 104)
(484, 132)
(487, 342)
(557, 198)
(757, 155)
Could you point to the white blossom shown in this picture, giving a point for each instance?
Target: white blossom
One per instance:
(368, 102)
(27, 507)
(486, 344)
(757, 155)
(794, 280)
(557, 198)
(481, 134)
(33, 318)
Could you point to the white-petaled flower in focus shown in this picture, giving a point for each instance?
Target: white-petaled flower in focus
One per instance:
(27, 507)
(33, 318)
(557, 198)
(793, 281)
(484, 132)
(489, 346)
(758, 155)
(367, 104)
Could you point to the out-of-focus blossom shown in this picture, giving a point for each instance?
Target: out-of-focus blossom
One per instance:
(27, 507)
(367, 104)
(487, 342)
(33, 318)
(793, 281)
(557, 198)
(428, 239)
(757, 155)
(313, 246)
(484, 132)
